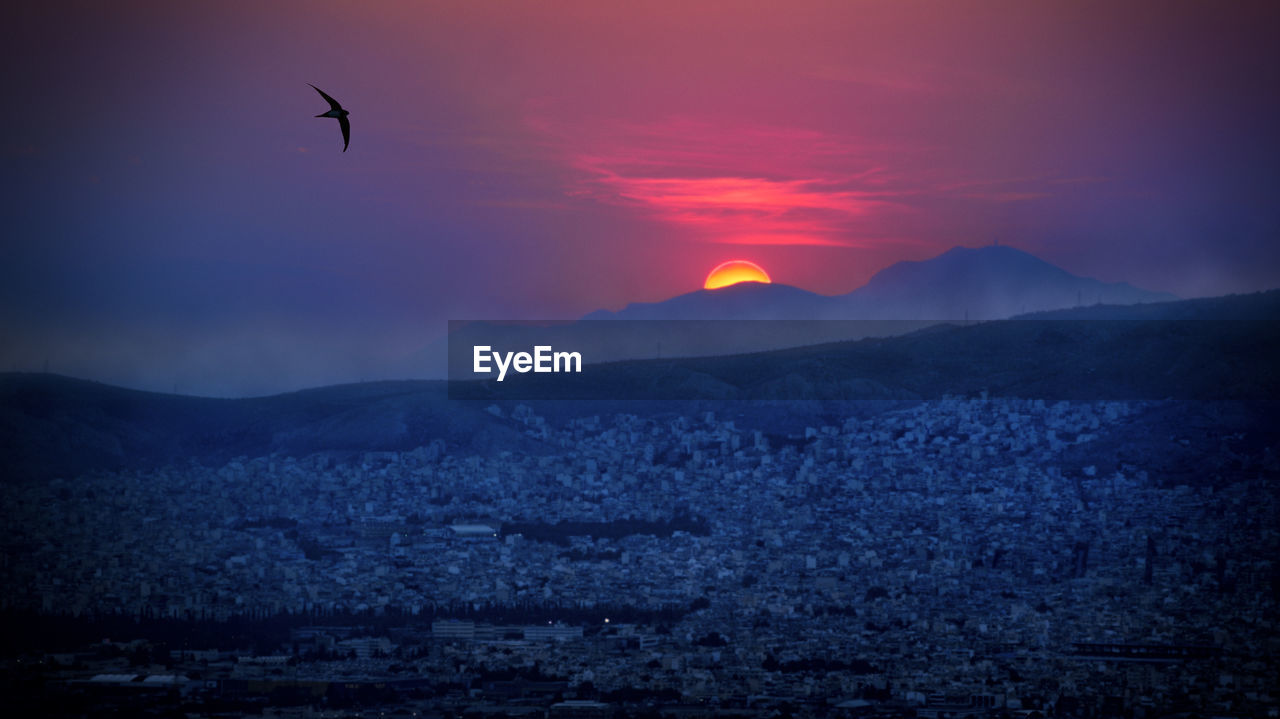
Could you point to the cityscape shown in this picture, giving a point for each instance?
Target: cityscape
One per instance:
(955, 557)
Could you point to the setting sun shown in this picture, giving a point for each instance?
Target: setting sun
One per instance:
(733, 272)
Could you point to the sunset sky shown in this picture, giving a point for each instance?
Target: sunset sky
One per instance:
(175, 218)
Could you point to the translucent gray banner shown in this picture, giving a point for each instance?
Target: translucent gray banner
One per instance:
(860, 360)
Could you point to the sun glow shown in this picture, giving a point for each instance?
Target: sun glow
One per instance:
(733, 272)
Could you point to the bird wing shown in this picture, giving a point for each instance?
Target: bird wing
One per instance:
(346, 132)
(333, 104)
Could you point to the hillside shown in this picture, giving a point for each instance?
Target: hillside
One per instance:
(1192, 349)
(56, 426)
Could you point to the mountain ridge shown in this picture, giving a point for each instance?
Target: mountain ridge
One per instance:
(52, 426)
(992, 282)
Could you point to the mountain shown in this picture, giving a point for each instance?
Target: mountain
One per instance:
(984, 283)
(743, 301)
(978, 283)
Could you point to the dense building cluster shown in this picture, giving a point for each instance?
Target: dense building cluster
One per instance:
(942, 558)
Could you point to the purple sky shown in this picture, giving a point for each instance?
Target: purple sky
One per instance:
(175, 218)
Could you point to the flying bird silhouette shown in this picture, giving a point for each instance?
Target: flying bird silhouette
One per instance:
(337, 113)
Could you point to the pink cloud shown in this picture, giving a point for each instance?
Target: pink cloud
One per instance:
(745, 209)
(757, 184)
(746, 185)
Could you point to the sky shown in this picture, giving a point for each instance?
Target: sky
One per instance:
(176, 219)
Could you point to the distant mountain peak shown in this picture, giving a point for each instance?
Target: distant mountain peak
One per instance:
(743, 300)
(988, 282)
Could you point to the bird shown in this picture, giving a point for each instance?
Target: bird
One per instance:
(337, 113)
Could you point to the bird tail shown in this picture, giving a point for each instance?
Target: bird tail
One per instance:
(322, 115)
